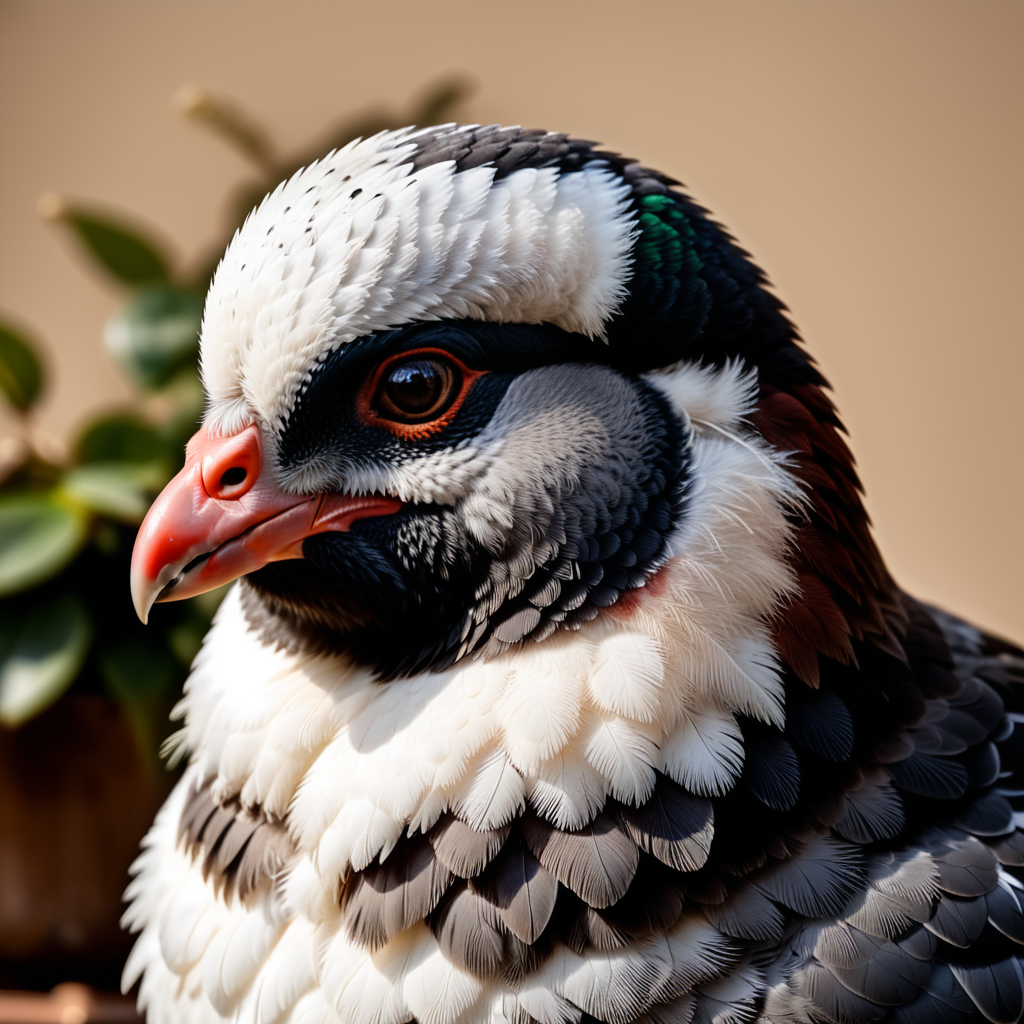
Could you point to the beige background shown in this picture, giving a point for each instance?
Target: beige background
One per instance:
(868, 154)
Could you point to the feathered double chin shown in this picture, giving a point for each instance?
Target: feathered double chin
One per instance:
(222, 517)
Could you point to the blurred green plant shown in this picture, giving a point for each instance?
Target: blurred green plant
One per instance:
(69, 514)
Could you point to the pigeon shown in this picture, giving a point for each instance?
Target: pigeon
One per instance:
(561, 680)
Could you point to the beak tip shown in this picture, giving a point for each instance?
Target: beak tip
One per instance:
(143, 596)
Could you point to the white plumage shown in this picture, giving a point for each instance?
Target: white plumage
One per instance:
(360, 242)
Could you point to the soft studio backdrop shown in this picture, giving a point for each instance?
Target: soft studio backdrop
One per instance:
(867, 153)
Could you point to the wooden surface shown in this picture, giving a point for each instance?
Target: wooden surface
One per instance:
(75, 799)
(69, 1003)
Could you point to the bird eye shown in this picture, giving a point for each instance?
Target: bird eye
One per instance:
(417, 390)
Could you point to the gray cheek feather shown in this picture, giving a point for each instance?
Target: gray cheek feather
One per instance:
(572, 448)
(562, 432)
(558, 431)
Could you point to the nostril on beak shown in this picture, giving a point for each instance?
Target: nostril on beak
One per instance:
(233, 477)
(231, 465)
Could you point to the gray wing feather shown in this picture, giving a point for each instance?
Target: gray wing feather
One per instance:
(816, 883)
(522, 889)
(996, 989)
(966, 866)
(674, 825)
(677, 1011)
(385, 899)
(1009, 849)
(269, 849)
(943, 1000)
(919, 943)
(1004, 911)
(872, 812)
(987, 815)
(876, 969)
(241, 847)
(592, 931)
(748, 914)
(468, 930)
(901, 890)
(465, 851)
(930, 775)
(958, 921)
(597, 862)
(235, 839)
(829, 995)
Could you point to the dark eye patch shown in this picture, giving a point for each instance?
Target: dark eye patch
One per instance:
(324, 422)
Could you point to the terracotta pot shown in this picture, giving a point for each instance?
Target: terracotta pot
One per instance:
(75, 799)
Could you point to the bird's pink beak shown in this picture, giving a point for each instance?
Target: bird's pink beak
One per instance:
(219, 519)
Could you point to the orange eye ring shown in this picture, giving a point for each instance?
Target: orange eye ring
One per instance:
(377, 408)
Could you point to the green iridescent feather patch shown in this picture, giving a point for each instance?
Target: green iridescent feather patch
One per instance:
(666, 285)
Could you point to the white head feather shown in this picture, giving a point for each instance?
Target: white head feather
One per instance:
(361, 242)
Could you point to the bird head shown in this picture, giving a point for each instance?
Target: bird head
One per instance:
(454, 378)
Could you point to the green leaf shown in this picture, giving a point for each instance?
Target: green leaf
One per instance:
(155, 333)
(10, 621)
(208, 602)
(21, 372)
(135, 671)
(115, 489)
(121, 249)
(39, 535)
(440, 98)
(120, 438)
(434, 105)
(229, 121)
(143, 679)
(48, 650)
(186, 638)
